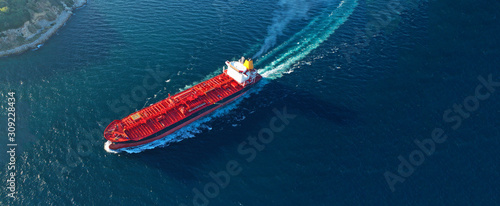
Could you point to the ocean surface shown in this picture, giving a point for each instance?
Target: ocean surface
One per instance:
(350, 87)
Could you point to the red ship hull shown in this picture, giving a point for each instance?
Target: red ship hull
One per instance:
(134, 144)
(169, 115)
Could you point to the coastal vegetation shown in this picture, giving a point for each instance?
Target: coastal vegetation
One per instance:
(24, 22)
(14, 13)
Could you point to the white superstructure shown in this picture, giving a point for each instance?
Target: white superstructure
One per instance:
(241, 71)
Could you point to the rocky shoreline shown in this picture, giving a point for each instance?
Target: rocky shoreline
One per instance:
(61, 19)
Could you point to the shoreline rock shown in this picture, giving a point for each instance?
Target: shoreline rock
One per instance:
(61, 19)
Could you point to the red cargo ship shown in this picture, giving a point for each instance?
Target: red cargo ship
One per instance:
(167, 116)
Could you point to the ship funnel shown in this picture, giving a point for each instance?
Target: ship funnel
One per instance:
(248, 64)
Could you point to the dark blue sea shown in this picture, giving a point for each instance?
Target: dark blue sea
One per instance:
(364, 102)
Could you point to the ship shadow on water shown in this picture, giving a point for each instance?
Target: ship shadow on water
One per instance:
(309, 104)
(183, 160)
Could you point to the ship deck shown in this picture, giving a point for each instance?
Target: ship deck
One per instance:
(167, 112)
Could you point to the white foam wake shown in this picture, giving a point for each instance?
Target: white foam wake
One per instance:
(106, 147)
(308, 39)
